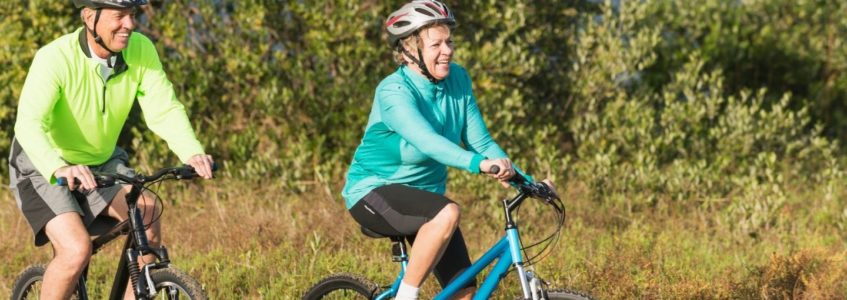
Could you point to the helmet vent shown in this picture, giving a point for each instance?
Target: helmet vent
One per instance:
(401, 24)
(423, 11)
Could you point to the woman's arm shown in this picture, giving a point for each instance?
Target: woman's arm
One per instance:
(399, 111)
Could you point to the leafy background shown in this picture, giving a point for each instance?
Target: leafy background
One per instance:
(698, 143)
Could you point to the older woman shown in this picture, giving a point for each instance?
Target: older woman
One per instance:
(421, 115)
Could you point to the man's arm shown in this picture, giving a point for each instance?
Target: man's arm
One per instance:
(40, 92)
(163, 113)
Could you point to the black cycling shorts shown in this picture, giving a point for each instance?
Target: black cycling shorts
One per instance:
(399, 210)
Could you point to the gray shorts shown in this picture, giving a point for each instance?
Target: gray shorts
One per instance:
(41, 201)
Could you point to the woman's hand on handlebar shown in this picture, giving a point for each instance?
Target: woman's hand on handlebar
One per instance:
(202, 164)
(86, 178)
(550, 185)
(505, 172)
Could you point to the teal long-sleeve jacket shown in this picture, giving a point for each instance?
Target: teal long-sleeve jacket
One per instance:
(416, 129)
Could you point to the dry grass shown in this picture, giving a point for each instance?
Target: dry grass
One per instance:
(255, 241)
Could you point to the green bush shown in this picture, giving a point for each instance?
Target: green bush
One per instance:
(713, 106)
(690, 142)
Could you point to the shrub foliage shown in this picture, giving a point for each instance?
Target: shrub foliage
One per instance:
(733, 107)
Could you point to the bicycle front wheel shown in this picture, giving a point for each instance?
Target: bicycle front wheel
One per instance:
(28, 285)
(342, 286)
(172, 283)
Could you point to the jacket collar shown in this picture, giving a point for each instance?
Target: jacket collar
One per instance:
(426, 87)
(120, 64)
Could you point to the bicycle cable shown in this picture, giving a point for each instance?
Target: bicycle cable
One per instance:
(550, 240)
(158, 202)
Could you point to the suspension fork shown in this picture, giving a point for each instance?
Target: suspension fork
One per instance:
(135, 246)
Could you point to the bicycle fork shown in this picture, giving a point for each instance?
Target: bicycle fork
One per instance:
(136, 246)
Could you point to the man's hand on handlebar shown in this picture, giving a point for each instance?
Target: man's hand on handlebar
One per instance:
(202, 164)
(80, 172)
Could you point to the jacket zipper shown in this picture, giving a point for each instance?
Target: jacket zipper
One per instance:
(103, 108)
(105, 82)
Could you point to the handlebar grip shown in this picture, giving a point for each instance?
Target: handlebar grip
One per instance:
(63, 181)
(494, 169)
(516, 179)
(101, 181)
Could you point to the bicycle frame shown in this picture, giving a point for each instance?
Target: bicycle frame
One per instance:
(507, 251)
(136, 245)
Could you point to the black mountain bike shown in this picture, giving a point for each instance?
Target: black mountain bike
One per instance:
(155, 280)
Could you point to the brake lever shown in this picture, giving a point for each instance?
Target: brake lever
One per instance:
(544, 191)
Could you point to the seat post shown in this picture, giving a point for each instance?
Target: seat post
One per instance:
(398, 250)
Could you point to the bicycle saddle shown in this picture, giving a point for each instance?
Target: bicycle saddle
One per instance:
(374, 234)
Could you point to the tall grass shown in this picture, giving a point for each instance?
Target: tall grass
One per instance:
(258, 241)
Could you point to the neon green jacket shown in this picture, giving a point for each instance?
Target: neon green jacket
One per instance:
(67, 115)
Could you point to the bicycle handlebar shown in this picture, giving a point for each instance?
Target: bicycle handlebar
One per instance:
(110, 179)
(537, 189)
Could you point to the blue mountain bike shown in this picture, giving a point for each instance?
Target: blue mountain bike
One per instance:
(508, 252)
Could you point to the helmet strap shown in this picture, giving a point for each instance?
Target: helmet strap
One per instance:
(98, 39)
(419, 61)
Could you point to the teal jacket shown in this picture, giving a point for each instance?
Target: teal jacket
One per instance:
(67, 115)
(415, 130)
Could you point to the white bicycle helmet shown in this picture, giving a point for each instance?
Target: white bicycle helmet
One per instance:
(414, 15)
(109, 3)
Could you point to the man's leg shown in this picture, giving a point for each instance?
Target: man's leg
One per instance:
(118, 209)
(72, 247)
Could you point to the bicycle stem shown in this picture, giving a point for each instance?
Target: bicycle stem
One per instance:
(511, 205)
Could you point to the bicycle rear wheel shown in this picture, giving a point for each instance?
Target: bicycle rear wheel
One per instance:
(172, 283)
(28, 285)
(342, 286)
(563, 294)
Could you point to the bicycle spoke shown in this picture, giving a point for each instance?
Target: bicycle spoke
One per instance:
(169, 291)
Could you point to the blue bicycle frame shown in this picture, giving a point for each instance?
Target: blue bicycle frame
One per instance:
(507, 252)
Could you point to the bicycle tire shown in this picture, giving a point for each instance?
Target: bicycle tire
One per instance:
(565, 294)
(28, 284)
(342, 286)
(171, 283)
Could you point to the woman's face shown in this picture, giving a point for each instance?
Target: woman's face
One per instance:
(437, 51)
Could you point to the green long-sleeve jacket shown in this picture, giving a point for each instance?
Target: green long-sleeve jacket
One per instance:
(67, 115)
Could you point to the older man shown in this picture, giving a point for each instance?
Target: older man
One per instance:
(76, 98)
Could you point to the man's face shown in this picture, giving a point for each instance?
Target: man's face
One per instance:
(114, 27)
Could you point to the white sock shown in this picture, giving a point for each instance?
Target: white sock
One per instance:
(406, 292)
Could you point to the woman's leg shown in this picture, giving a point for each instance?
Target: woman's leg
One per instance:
(429, 220)
(430, 243)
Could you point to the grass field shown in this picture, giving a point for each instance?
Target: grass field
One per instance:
(256, 241)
